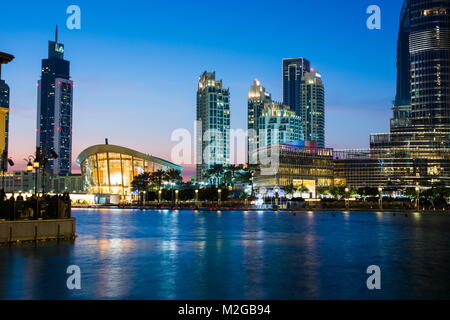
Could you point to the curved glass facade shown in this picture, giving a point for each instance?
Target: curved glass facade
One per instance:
(108, 169)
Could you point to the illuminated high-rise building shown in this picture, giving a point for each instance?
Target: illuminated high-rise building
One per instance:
(421, 121)
(213, 124)
(257, 98)
(4, 113)
(278, 124)
(293, 71)
(55, 107)
(313, 108)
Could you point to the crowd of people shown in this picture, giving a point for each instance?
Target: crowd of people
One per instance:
(34, 207)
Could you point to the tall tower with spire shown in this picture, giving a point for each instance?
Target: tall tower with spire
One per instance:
(55, 107)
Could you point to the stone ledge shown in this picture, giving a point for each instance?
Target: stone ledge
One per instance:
(37, 230)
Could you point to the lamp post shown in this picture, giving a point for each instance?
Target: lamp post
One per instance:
(347, 191)
(176, 196)
(380, 193)
(159, 195)
(33, 164)
(276, 191)
(417, 197)
(219, 197)
(196, 195)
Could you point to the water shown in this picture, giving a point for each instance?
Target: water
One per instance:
(235, 255)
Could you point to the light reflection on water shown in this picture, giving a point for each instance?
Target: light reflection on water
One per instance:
(164, 254)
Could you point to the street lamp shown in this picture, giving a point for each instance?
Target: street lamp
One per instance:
(219, 194)
(159, 195)
(30, 165)
(417, 197)
(380, 190)
(176, 196)
(347, 191)
(276, 191)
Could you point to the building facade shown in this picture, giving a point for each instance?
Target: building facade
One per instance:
(277, 124)
(421, 112)
(297, 165)
(108, 170)
(213, 124)
(25, 182)
(257, 98)
(4, 113)
(313, 108)
(385, 168)
(416, 151)
(55, 110)
(293, 71)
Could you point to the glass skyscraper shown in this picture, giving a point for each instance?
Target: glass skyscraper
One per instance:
(257, 98)
(313, 108)
(55, 107)
(416, 151)
(277, 124)
(430, 64)
(304, 93)
(213, 124)
(293, 70)
(421, 120)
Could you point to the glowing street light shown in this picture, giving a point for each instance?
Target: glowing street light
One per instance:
(219, 193)
(29, 167)
(380, 191)
(417, 197)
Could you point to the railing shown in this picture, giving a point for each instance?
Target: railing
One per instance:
(35, 209)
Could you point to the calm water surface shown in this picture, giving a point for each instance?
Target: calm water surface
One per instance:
(235, 255)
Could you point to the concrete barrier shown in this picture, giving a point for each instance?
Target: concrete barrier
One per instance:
(37, 230)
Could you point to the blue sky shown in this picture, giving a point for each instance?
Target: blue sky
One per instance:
(136, 64)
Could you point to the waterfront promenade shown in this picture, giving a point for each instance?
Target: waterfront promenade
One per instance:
(315, 206)
(35, 219)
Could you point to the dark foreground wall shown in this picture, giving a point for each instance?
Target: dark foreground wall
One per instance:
(37, 230)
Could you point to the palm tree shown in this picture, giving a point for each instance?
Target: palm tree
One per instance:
(173, 176)
(141, 182)
(157, 177)
(230, 171)
(216, 172)
(246, 175)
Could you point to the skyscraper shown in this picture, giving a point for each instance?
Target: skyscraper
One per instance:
(4, 113)
(430, 64)
(421, 112)
(313, 108)
(55, 106)
(293, 70)
(213, 124)
(257, 98)
(277, 124)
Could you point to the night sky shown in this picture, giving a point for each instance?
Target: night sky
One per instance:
(136, 64)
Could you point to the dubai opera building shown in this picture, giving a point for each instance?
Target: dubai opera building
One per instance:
(108, 171)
